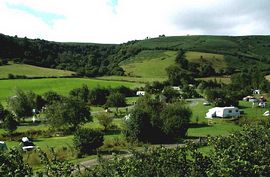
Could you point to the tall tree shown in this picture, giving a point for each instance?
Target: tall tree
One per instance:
(68, 113)
(22, 103)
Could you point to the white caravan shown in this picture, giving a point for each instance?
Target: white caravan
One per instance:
(223, 112)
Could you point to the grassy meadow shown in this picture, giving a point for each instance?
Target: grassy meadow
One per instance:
(216, 60)
(31, 71)
(149, 64)
(60, 85)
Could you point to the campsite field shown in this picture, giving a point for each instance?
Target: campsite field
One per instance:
(60, 85)
(31, 71)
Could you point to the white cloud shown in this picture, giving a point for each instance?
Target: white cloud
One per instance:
(101, 21)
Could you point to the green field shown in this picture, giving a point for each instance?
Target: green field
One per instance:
(31, 71)
(216, 60)
(149, 64)
(60, 85)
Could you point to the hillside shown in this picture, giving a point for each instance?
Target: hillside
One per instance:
(140, 58)
(149, 64)
(221, 52)
(31, 71)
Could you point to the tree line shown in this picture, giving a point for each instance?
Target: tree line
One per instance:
(85, 59)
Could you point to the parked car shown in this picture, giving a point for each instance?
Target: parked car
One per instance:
(27, 145)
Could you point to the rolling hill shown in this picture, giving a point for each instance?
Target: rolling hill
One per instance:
(31, 71)
(143, 59)
(222, 52)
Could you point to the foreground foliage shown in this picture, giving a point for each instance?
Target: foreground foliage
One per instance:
(245, 153)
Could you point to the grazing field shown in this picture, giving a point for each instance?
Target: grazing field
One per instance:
(149, 64)
(216, 60)
(60, 85)
(31, 71)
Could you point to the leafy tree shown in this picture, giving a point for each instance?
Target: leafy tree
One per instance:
(170, 94)
(181, 59)
(177, 76)
(207, 70)
(12, 164)
(80, 93)
(176, 118)
(39, 102)
(68, 113)
(160, 161)
(243, 153)
(98, 95)
(127, 92)
(51, 97)
(105, 119)
(54, 166)
(116, 99)
(87, 140)
(138, 127)
(22, 103)
(155, 122)
(9, 124)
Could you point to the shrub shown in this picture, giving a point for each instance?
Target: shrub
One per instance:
(116, 99)
(105, 119)
(176, 118)
(87, 140)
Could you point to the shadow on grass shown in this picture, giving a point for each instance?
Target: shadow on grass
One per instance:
(113, 132)
(198, 125)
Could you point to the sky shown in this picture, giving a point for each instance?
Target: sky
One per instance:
(118, 21)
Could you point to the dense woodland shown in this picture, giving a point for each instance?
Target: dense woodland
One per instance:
(84, 59)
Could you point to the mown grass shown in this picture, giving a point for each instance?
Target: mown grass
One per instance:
(60, 85)
(149, 64)
(31, 71)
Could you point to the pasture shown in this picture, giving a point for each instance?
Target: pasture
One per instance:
(31, 71)
(216, 60)
(149, 64)
(60, 85)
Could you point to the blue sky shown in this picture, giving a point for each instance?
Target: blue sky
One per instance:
(117, 21)
(46, 17)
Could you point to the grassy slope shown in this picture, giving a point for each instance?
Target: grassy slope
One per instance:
(248, 45)
(60, 85)
(216, 60)
(31, 71)
(149, 64)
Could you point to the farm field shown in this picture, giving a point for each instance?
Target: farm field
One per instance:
(60, 85)
(31, 71)
(149, 64)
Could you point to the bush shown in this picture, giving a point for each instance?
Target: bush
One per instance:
(116, 99)
(105, 119)
(87, 140)
(154, 122)
(176, 118)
